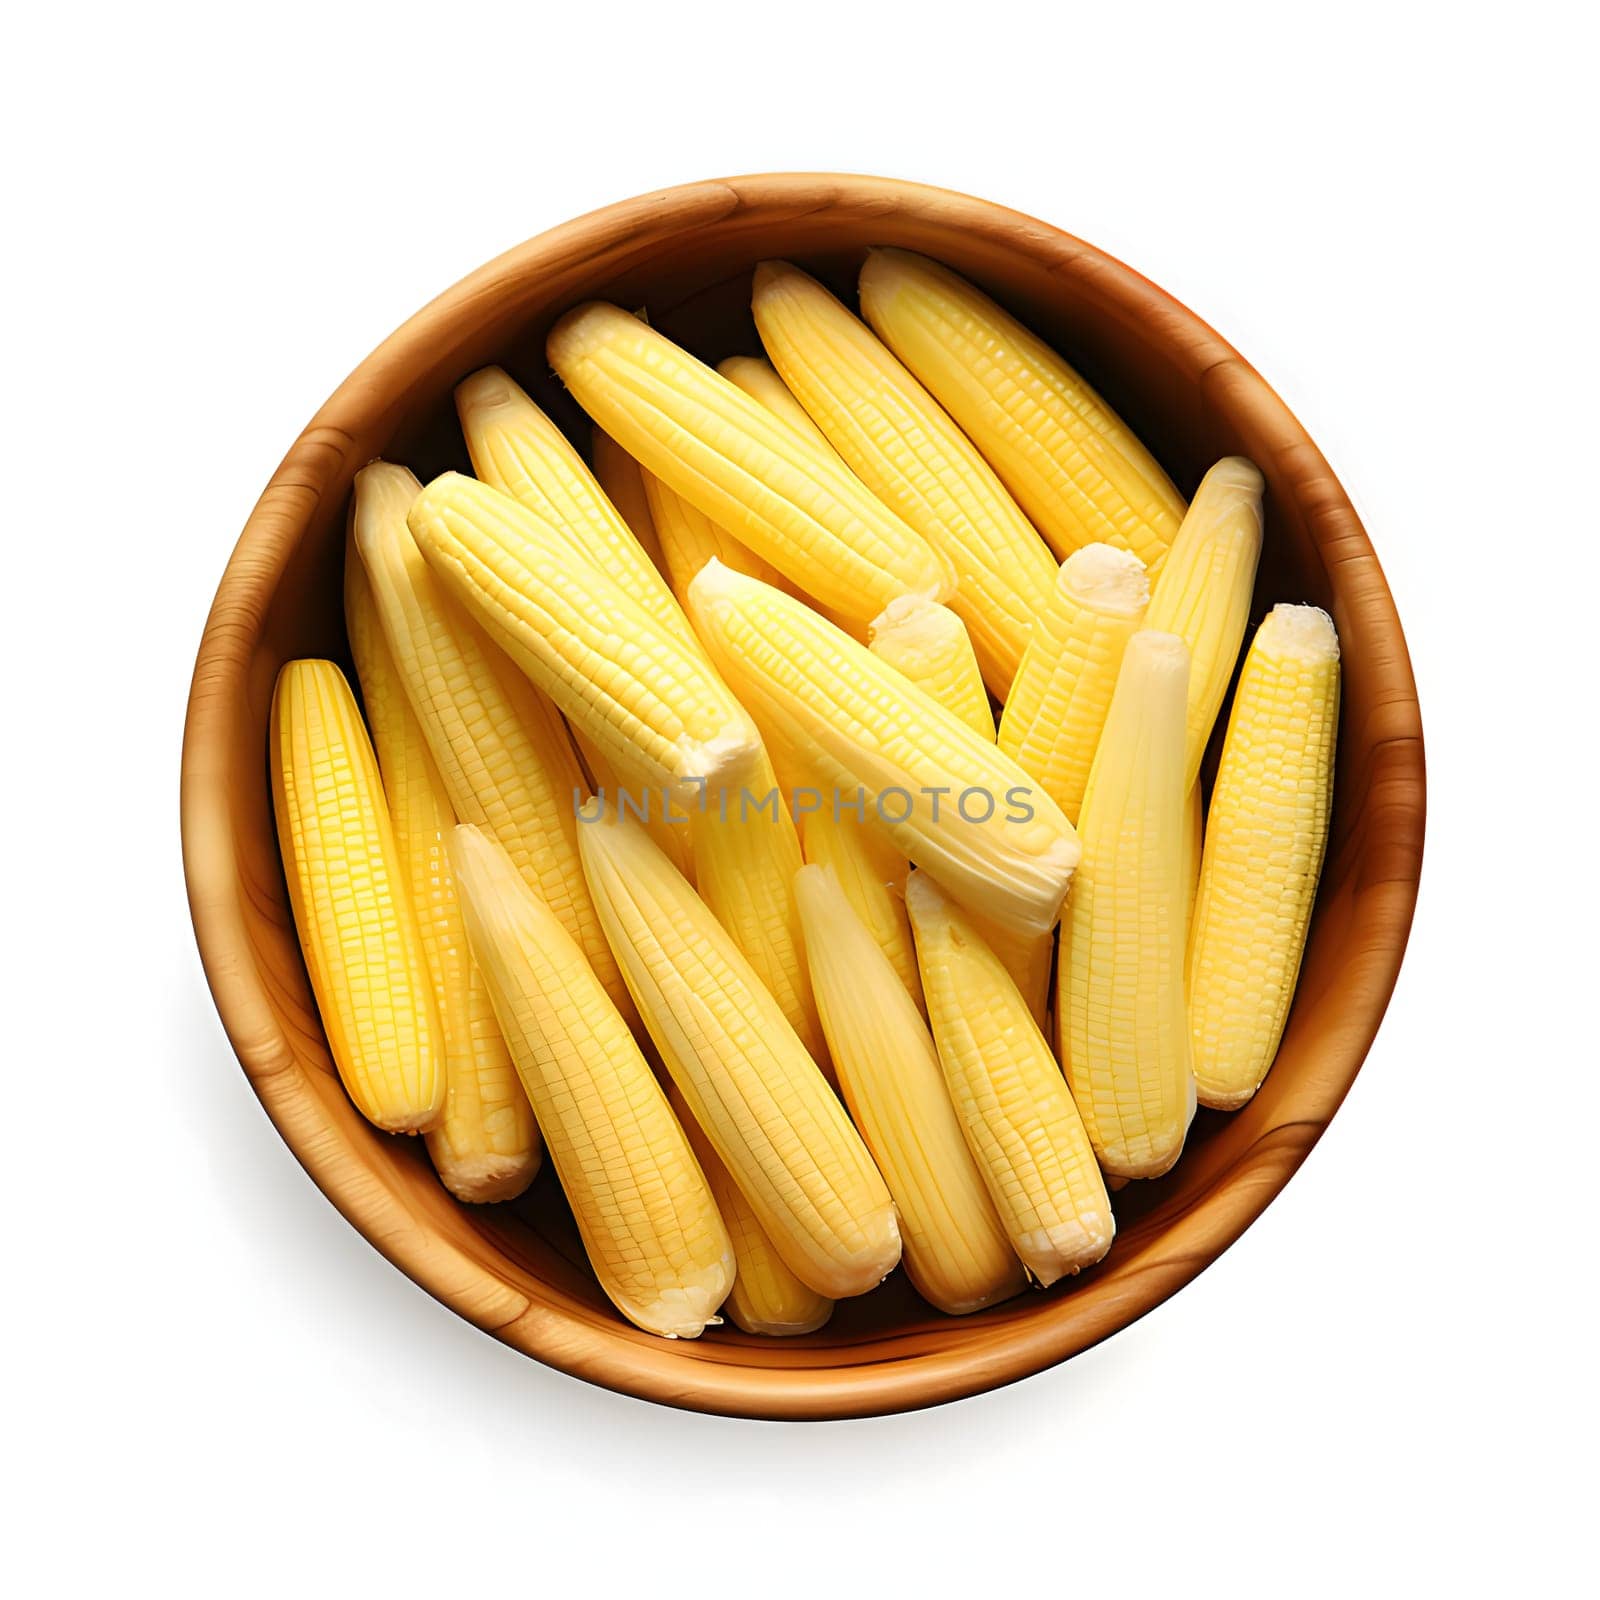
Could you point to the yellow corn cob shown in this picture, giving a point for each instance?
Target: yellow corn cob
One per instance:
(899, 441)
(646, 697)
(517, 449)
(347, 888)
(956, 1252)
(766, 1296)
(642, 1205)
(1075, 467)
(858, 725)
(1019, 1120)
(668, 824)
(1204, 593)
(735, 462)
(1119, 1001)
(1194, 833)
(928, 643)
(689, 539)
(500, 746)
(743, 1072)
(1051, 722)
(1027, 958)
(486, 1146)
(746, 853)
(622, 479)
(873, 878)
(759, 379)
(1265, 839)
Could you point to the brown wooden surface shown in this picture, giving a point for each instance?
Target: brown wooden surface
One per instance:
(516, 1270)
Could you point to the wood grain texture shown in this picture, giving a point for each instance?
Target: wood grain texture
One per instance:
(517, 1270)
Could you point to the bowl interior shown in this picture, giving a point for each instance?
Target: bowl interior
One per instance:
(518, 1269)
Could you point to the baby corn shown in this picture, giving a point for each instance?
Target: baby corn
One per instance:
(766, 1296)
(644, 695)
(517, 449)
(956, 1252)
(775, 492)
(947, 798)
(746, 854)
(648, 1221)
(899, 441)
(1194, 834)
(486, 1146)
(500, 746)
(622, 479)
(1052, 719)
(1120, 996)
(689, 539)
(1204, 592)
(1027, 958)
(873, 878)
(1074, 466)
(347, 888)
(747, 1080)
(928, 643)
(1265, 840)
(1019, 1120)
(759, 379)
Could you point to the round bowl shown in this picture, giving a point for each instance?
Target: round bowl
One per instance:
(517, 1270)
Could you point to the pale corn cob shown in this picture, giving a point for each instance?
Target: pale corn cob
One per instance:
(500, 746)
(486, 1146)
(622, 479)
(759, 379)
(689, 539)
(668, 824)
(746, 853)
(1203, 594)
(752, 475)
(1265, 840)
(642, 1205)
(1027, 958)
(1074, 466)
(517, 449)
(646, 697)
(747, 1080)
(1019, 1120)
(1120, 993)
(766, 1296)
(873, 878)
(1052, 719)
(902, 445)
(347, 889)
(1194, 834)
(956, 1252)
(857, 724)
(929, 644)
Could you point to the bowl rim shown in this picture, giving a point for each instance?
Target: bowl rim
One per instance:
(559, 1334)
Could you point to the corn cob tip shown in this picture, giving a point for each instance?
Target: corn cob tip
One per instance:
(1106, 579)
(1239, 473)
(1305, 632)
(384, 478)
(1160, 654)
(487, 389)
(902, 611)
(487, 1179)
(584, 329)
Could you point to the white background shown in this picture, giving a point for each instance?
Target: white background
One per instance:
(212, 1383)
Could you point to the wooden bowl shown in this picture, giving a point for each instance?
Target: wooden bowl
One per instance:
(517, 1270)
